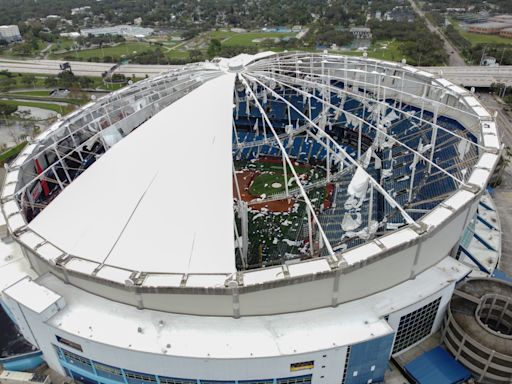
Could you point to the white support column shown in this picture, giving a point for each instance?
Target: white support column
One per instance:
(359, 139)
(386, 195)
(61, 185)
(30, 199)
(310, 232)
(63, 165)
(245, 229)
(461, 182)
(285, 173)
(243, 257)
(236, 134)
(309, 205)
(370, 207)
(264, 129)
(413, 175)
(354, 95)
(433, 139)
(76, 144)
(328, 157)
(309, 107)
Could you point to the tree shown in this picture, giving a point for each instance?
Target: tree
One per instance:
(214, 48)
(50, 82)
(7, 109)
(7, 83)
(85, 82)
(24, 49)
(195, 55)
(28, 79)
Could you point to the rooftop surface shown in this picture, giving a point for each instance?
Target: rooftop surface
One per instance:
(92, 317)
(143, 189)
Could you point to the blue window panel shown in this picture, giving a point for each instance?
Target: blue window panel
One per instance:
(133, 377)
(77, 360)
(109, 372)
(306, 379)
(58, 352)
(174, 380)
(369, 360)
(82, 378)
(262, 381)
(216, 382)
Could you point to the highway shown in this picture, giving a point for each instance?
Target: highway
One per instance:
(455, 58)
(52, 67)
(474, 76)
(468, 76)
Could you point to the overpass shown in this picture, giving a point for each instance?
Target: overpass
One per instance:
(475, 76)
(467, 76)
(52, 67)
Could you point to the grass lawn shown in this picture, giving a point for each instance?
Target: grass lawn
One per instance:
(117, 51)
(386, 50)
(110, 87)
(176, 54)
(32, 93)
(478, 38)
(34, 104)
(11, 153)
(229, 38)
(38, 81)
(382, 50)
(268, 183)
(48, 99)
(63, 44)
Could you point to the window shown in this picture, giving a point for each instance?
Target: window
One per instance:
(139, 378)
(77, 360)
(172, 380)
(58, 352)
(81, 379)
(69, 343)
(302, 366)
(295, 380)
(216, 382)
(415, 325)
(109, 372)
(262, 381)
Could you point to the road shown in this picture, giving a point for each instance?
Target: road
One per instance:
(51, 67)
(474, 76)
(503, 193)
(455, 58)
(468, 76)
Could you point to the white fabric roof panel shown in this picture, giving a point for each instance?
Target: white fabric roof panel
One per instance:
(161, 199)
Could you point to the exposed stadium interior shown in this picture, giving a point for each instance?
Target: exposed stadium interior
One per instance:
(277, 218)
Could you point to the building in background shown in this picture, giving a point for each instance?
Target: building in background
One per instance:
(507, 32)
(10, 33)
(489, 28)
(121, 30)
